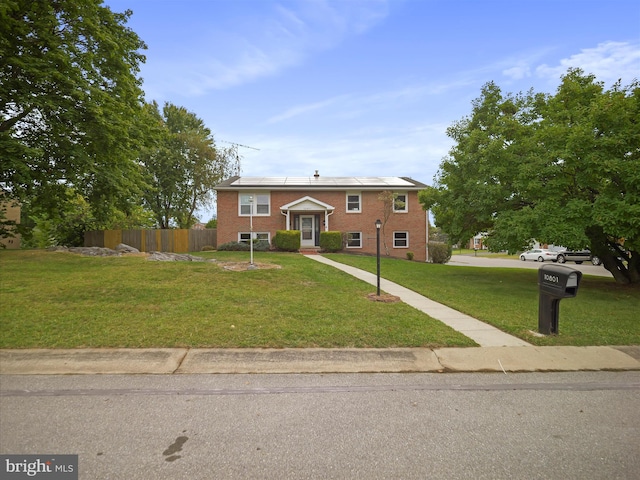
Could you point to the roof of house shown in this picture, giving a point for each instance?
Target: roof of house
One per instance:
(321, 183)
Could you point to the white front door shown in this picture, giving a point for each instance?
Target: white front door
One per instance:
(307, 231)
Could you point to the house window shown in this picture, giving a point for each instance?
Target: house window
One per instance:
(261, 204)
(243, 237)
(400, 202)
(353, 203)
(401, 239)
(354, 239)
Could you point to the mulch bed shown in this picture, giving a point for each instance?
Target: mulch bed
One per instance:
(385, 298)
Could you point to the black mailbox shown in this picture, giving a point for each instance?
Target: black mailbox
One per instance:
(555, 283)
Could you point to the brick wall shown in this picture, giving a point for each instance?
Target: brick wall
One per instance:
(414, 221)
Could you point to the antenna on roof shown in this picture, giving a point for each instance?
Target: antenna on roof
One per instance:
(239, 145)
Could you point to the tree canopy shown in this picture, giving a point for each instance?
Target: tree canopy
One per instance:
(69, 97)
(182, 165)
(80, 148)
(562, 169)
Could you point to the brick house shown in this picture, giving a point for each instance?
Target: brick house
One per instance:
(350, 205)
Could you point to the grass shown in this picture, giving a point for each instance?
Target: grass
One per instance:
(62, 300)
(602, 313)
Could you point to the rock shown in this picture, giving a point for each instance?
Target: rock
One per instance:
(94, 251)
(173, 257)
(124, 248)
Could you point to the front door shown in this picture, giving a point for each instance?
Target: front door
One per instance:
(307, 231)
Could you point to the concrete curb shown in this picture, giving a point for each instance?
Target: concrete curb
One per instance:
(535, 359)
(316, 360)
(91, 361)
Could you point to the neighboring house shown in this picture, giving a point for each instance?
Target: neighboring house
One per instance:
(350, 205)
(11, 212)
(477, 242)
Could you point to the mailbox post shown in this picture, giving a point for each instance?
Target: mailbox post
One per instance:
(555, 282)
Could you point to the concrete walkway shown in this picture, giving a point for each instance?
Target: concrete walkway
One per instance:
(483, 334)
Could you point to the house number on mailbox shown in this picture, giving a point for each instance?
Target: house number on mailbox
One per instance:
(551, 278)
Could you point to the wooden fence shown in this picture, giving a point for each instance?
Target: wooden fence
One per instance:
(176, 241)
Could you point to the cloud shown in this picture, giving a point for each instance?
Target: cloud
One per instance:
(352, 105)
(304, 109)
(609, 62)
(262, 45)
(518, 72)
(413, 150)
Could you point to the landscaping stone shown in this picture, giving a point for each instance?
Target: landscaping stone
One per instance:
(94, 251)
(173, 257)
(124, 248)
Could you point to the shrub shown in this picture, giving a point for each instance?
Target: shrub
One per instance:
(331, 241)
(207, 248)
(410, 255)
(234, 247)
(258, 246)
(287, 240)
(439, 252)
(261, 246)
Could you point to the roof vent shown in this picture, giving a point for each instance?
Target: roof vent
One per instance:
(316, 174)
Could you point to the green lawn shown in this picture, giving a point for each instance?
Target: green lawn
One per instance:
(62, 300)
(602, 313)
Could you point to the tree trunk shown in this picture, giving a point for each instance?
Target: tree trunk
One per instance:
(616, 267)
(624, 265)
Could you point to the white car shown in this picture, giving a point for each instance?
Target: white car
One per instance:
(539, 255)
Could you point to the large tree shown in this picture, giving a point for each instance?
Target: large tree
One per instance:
(69, 96)
(561, 169)
(182, 165)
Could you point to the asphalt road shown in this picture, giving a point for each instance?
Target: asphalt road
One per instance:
(483, 261)
(343, 426)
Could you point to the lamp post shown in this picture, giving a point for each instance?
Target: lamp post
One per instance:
(251, 229)
(378, 225)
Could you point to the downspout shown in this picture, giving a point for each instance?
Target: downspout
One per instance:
(286, 214)
(326, 219)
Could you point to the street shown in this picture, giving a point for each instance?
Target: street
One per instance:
(345, 426)
(488, 261)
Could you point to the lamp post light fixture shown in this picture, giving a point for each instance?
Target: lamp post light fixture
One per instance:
(378, 225)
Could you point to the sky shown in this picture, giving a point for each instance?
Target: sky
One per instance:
(365, 87)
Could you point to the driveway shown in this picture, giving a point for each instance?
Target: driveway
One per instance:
(483, 261)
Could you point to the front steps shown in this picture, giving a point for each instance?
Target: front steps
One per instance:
(309, 251)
